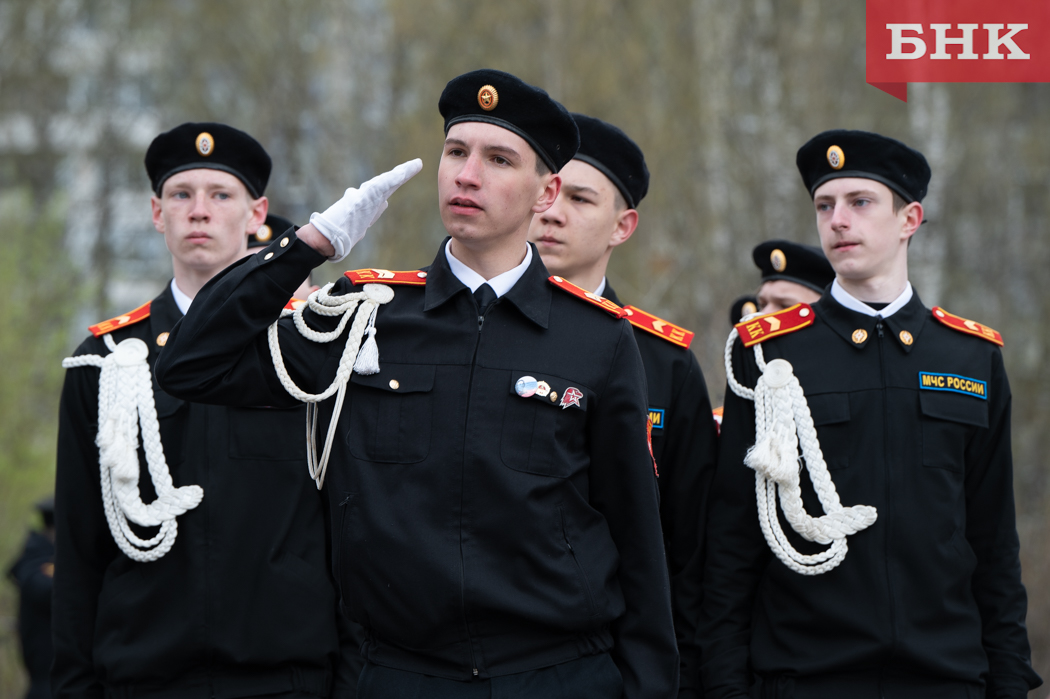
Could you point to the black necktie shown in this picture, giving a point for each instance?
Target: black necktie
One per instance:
(484, 296)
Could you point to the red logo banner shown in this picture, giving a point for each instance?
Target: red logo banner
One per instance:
(956, 41)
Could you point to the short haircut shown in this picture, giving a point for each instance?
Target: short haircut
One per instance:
(898, 202)
(541, 167)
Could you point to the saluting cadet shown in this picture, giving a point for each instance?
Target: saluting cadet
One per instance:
(596, 212)
(197, 565)
(891, 569)
(791, 273)
(494, 502)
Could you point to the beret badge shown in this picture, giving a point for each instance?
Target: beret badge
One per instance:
(264, 233)
(779, 260)
(205, 143)
(488, 98)
(836, 158)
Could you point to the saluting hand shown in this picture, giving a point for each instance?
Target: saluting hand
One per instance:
(344, 223)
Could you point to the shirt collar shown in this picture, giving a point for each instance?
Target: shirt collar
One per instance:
(851, 302)
(601, 288)
(181, 300)
(501, 283)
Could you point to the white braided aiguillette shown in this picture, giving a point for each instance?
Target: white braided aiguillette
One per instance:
(782, 423)
(125, 399)
(370, 298)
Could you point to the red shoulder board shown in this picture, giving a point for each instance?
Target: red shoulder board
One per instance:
(771, 325)
(967, 326)
(108, 326)
(294, 304)
(658, 326)
(588, 296)
(385, 276)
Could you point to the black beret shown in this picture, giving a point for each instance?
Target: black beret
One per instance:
(211, 146)
(495, 97)
(841, 153)
(609, 149)
(275, 225)
(745, 305)
(802, 264)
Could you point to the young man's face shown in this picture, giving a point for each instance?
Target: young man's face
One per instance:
(488, 187)
(778, 294)
(861, 235)
(588, 219)
(206, 217)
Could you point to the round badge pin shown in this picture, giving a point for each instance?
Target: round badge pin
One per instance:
(906, 337)
(554, 396)
(542, 389)
(488, 98)
(205, 144)
(526, 386)
(162, 339)
(836, 158)
(859, 336)
(778, 259)
(264, 233)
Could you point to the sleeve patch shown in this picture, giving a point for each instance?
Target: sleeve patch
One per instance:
(772, 325)
(590, 297)
(658, 326)
(130, 318)
(385, 276)
(967, 326)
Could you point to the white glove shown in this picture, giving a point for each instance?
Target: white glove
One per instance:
(344, 223)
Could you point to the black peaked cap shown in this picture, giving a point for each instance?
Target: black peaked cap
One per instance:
(495, 97)
(841, 153)
(611, 151)
(275, 225)
(745, 305)
(793, 262)
(211, 146)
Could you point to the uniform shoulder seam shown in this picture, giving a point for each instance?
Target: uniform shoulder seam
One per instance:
(765, 327)
(122, 321)
(588, 296)
(655, 325)
(968, 327)
(413, 277)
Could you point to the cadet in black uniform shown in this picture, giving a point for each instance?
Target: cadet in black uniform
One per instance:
(495, 514)
(791, 273)
(33, 573)
(919, 594)
(221, 585)
(596, 212)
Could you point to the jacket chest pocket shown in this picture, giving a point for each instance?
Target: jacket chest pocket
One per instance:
(391, 414)
(831, 417)
(948, 423)
(544, 433)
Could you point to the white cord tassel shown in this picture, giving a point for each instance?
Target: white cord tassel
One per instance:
(781, 413)
(370, 298)
(125, 398)
(368, 358)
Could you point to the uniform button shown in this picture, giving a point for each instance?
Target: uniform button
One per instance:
(803, 313)
(284, 242)
(394, 384)
(268, 255)
(421, 275)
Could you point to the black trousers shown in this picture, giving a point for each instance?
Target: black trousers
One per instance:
(593, 677)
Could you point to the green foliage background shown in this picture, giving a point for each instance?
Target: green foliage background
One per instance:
(718, 94)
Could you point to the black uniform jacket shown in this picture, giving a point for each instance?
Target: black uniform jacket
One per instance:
(477, 532)
(928, 601)
(685, 445)
(32, 572)
(243, 603)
